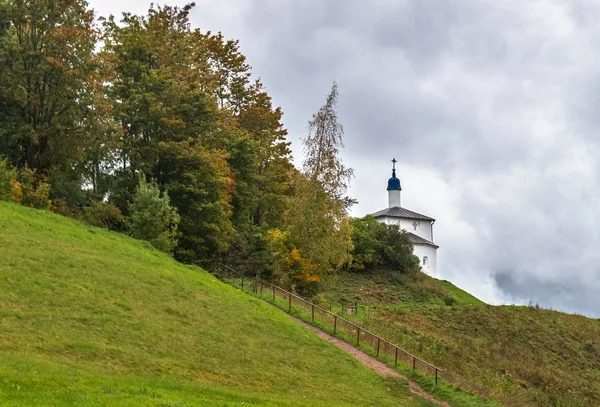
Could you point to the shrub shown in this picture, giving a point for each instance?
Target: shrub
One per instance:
(35, 191)
(37, 197)
(16, 192)
(449, 300)
(152, 218)
(398, 252)
(377, 244)
(103, 214)
(368, 238)
(7, 177)
(61, 207)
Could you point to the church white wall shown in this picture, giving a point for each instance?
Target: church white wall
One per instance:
(423, 250)
(420, 228)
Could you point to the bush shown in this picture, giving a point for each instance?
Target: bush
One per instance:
(449, 300)
(7, 177)
(35, 191)
(368, 238)
(380, 245)
(16, 192)
(398, 253)
(152, 218)
(103, 214)
(61, 207)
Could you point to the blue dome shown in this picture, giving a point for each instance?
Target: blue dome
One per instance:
(394, 183)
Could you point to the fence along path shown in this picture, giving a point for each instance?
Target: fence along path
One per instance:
(380, 367)
(287, 301)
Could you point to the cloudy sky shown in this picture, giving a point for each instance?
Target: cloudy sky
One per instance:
(490, 108)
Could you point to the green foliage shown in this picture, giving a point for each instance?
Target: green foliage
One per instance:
(61, 207)
(124, 184)
(317, 218)
(86, 109)
(318, 225)
(139, 329)
(35, 190)
(369, 241)
(398, 249)
(154, 85)
(379, 245)
(197, 180)
(152, 218)
(103, 214)
(193, 121)
(249, 252)
(66, 187)
(7, 175)
(46, 76)
(271, 157)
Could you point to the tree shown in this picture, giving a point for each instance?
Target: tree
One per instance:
(380, 245)
(273, 169)
(369, 241)
(155, 86)
(199, 184)
(152, 218)
(321, 147)
(398, 253)
(249, 129)
(7, 177)
(45, 81)
(103, 214)
(317, 217)
(159, 101)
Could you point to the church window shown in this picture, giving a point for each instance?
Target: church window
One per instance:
(424, 260)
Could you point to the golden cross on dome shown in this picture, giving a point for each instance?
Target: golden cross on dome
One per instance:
(394, 162)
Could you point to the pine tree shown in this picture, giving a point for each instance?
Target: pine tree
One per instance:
(153, 218)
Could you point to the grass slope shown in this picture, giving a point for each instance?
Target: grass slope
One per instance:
(519, 356)
(89, 317)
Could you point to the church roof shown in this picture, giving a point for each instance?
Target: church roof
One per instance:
(394, 182)
(398, 212)
(414, 239)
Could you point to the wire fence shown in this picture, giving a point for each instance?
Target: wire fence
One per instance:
(340, 326)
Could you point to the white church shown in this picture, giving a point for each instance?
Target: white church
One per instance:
(419, 227)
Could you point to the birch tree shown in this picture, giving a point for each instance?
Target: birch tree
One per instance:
(317, 215)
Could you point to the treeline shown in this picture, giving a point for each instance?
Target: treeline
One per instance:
(151, 127)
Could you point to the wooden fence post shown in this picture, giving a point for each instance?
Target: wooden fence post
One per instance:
(378, 343)
(313, 312)
(290, 307)
(357, 334)
(334, 323)
(396, 359)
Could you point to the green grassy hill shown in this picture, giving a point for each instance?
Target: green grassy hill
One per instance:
(519, 356)
(89, 317)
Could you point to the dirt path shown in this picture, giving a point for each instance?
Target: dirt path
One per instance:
(369, 361)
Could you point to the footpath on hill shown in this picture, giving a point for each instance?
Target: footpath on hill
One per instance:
(372, 363)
